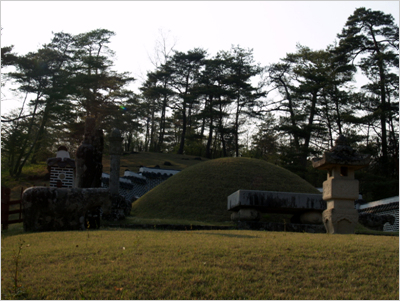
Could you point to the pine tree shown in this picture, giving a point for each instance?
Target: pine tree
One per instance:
(371, 40)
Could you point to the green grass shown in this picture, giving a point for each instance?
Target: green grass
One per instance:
(32, 175)
(131, 264)
(200, 192)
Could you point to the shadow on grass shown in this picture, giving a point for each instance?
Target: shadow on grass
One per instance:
(227, 235)
(17, 229)
(13, 229)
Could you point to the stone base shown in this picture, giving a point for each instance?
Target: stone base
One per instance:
(120, 208)
(310, 217)
(246, 215)
(54, 209)
(340, 221)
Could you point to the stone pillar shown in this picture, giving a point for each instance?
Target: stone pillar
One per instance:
(89, 167)
(340, 190)
(115, 154)
(89, 157)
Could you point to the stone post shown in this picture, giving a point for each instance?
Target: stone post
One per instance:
(89, 166)
(89, 157)
(85, 158)
(115, 154)
(340, 190)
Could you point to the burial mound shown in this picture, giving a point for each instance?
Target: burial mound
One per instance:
(200, 192)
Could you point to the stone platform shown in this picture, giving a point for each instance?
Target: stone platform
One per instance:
(276, 202)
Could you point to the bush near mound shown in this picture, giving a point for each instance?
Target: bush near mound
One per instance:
(200, 192)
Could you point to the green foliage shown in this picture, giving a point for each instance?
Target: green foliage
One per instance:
(184, 71)
(67, 77)
(97, 88)
(313, 102)
(265, 141)
(374, 186)
(7, 57)
(371, 40)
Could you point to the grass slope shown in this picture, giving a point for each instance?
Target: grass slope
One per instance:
(200, 192)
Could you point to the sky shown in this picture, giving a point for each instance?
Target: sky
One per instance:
(270, 28)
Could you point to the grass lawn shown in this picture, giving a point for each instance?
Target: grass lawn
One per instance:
(230, 264)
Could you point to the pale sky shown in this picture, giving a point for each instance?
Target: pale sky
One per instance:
(270, 28)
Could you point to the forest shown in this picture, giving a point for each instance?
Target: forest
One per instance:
(203, 104)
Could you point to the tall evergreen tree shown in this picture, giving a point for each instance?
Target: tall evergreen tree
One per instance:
(310, 85)
(97, 86)
(157, 92)
(40, 74)
(242, 69)
(184, 70)
(217, 97)
(371, 40)
(69, 75)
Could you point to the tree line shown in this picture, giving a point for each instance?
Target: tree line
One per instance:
(200, 104)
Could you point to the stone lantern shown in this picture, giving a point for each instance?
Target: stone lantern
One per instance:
(341, 189)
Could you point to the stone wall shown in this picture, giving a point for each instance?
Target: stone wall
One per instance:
(53, 209)
(384, 207)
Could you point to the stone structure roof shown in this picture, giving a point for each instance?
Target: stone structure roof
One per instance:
(62, 159)
(61, 162)
(341, 154)
(133, 185)
(379, 206)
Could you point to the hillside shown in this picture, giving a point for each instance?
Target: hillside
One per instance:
(135, 160)
(35, 174)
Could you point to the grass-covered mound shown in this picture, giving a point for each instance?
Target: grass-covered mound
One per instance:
(200, 192)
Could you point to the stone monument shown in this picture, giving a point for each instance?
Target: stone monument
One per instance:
(61, 169)
(50, 209)
(115, 154)
(341, 189)
(120, 206)
(89, 166)
(89, 157)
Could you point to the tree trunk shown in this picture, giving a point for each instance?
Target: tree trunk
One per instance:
(184, 121)
(15, 171)
(237, 129)
(162, 125)
(40, 135)
(221, 131)
(210, 134)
